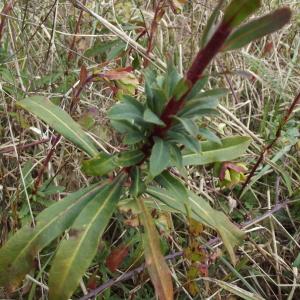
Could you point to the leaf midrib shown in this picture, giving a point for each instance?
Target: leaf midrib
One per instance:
(51, 222)
(77, 249)
(93, 151)
(152, 247)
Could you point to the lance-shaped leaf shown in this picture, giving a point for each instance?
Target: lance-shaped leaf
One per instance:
(239, 10)
(157, 267)
(18, 254)
(151, 117)
(211, 24)
(137, 185)
(172, 184)
(202, 212)
(189, 125)
(130, 158)
(160, 157)
(209, 135)
(181, 138)
(129, 109)
(230, 148)
(257, 29)
(100, 165)
(75, 254)
(59, 120)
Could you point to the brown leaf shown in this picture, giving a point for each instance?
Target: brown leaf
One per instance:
(83, 74)
(92, 282)
(116, 257)
(119, 73)
(230, 166)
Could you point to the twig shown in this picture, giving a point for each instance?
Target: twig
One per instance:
(267, 148)
(123, 36)
(71, 52)
(158, 14)
(124, 277)
(23, 146)
(45, 164)
(210, 243)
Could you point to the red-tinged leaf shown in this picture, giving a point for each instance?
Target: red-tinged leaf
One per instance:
(83, 75)
(177, 5)
(268, 48)
(92, 282)
(231, 166)
(258, 28)
(119, 73)
(116, 257)
(157, 267)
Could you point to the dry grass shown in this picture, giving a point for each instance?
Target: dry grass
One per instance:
(263, 79)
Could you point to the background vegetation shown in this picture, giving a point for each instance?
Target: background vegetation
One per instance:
(49, 47)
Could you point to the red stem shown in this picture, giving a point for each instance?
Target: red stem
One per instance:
(200, 63)
(268, 147)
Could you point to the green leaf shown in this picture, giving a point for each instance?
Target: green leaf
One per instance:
(176, 157)
(159, 100)
(239, 10)
(133, 138)
(229, 149)
(129, 158)
(62, 122)
(171, 80)
(189, 125)
(296, 263)
(137, 185)
(151, 117)
(211, 24)
(128, 109)
(257, 28)
(209, 135)
(202, 212)
(160, 157)
(75, 254)
(181, 88)
(100, 165)
(124, 126)
(116, 50)
(181, 138)
(157, 267)
(100, 48)
(202, 103)
(172, 184)
(197, 88)
(18, 254)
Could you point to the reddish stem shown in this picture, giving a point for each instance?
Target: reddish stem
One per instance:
(158, 14)
(200, 63)
(268, 147)
(5, 11)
